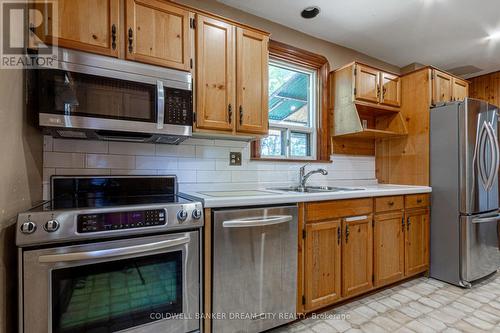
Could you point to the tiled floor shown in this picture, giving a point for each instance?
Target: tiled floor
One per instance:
(422, 305)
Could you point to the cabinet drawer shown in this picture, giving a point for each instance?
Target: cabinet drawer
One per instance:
(416, 201)
(324, 210)
(384, 204)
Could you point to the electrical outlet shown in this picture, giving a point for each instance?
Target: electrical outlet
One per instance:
(234, 159)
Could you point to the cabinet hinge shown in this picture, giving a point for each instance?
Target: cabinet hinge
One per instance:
(192, 23)
(194, 117)
(191, 62)
(303, 300)
(354, 91)
(304, 234)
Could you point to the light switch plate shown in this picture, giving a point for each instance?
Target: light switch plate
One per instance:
(234, 159)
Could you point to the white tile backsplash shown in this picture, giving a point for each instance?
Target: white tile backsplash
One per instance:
(198, 164)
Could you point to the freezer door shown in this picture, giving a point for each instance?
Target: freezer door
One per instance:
(254, 268)
(479, 157)
(480, 245)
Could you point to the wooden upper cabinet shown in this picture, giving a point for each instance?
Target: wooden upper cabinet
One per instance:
(86, 25)
(389, 247)
(417, 241)
(391, 89)
(357, 255)
(367, 83)
(215, 74)
(460, 89)
(322, 261)
(441, 87)
(252, 82)
(158, 33)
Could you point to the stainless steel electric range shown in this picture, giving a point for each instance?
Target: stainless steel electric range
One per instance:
(110, 254)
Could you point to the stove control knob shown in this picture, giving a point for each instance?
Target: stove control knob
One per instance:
(28, 227)
(51, 226)
(197, 214)
(182, 215)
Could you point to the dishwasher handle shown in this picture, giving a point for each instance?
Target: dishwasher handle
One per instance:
(257, 222)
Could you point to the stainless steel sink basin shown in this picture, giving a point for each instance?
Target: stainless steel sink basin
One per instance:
(315, 189)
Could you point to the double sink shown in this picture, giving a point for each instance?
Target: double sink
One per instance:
(315, 189)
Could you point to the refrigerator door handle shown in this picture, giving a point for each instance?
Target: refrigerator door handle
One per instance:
(486, 219)
(481, 161)
(494, 155)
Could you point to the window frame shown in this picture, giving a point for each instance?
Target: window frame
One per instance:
(290, 55)
(313, 109)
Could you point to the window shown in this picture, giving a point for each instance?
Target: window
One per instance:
(293, 112)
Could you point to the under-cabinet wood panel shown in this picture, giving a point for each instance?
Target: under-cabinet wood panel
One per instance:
(326, 210)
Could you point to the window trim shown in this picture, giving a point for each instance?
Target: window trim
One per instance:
(281, 52)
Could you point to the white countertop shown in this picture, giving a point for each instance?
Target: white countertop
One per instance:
(218, 199)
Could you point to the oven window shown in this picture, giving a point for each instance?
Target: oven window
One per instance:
(77, 94)
(117, 295)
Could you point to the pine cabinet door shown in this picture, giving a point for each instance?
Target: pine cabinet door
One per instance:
(85, 25)
(215, 73)
(252, 82)
(416, 241)
(441, 87)
(389, 247)
(391, 89)
(322, 264)
(460, 89)
(158, 33)
(367, 84)
(357, 255)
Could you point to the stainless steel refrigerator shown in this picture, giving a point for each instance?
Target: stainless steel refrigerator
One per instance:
(464, 165)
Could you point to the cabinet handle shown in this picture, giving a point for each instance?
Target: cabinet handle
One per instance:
(384, 90)
(241, 115)
(338, 236)
(230, 113)
(391, 203)
(346, 233)
(130, 40)
(113, 37)
(419, 201)
(408, 223)
(403, 223)
(378, 90)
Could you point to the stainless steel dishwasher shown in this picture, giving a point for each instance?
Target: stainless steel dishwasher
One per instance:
(254, 268)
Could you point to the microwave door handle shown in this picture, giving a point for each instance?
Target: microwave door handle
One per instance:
(257, 222)
(111, 253)
(160, 104)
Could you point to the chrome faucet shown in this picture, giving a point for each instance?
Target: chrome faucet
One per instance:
(303, 177)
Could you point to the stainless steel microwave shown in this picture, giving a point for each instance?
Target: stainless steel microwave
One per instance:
(89, 96)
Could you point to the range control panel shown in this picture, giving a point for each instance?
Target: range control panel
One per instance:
(120, 220)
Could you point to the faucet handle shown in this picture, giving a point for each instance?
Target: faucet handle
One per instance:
(303, 168)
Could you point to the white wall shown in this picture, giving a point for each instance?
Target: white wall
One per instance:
(198, 163)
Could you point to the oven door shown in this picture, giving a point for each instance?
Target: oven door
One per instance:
(148, 284)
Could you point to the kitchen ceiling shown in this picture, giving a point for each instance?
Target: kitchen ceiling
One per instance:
(448, 34)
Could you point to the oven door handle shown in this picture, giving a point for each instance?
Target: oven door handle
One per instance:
(160, 104)
(257, 222)
(110, 253)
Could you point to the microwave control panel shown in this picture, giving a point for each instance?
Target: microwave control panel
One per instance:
(178, 106)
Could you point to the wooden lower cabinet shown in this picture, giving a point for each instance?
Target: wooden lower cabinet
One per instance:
(388, 248)
(353, 246)
(322, 264)
(416, 241)
(357, 255)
